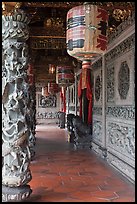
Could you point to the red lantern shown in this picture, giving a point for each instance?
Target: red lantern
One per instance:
(86, 40)
(86, 32)
(51, 69)
(64, 75)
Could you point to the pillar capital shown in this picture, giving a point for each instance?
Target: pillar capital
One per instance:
(15, 26)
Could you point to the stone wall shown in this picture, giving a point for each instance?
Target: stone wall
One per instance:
(71, 99)
(47, 112)
(114, 102)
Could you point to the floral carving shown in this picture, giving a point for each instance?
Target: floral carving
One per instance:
(97, 130)
(97, 88)
(123, 80)
(110, 84)
(122, 138)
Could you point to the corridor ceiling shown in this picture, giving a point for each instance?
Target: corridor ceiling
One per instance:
(47, 26)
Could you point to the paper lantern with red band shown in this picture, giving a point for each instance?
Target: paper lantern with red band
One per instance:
(53, 88)
(86, 40)
(64, 75)
(86, 32)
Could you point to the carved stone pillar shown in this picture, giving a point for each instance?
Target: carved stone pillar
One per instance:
(32, 138)
(15, 150)
(31, 112)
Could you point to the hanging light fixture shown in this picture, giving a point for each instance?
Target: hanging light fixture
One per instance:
(64, 75)
(52, 69)
(86, 34)
(86, 37)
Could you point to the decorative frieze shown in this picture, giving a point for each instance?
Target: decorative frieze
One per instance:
(47, 115)
(48, 43)
(98, 87)
(130, 21)
(47, 101)
(110, 84)
(123, 112)
(52, 27)
(97, 130)
(120, 49)
(123, 80)
(121, 138)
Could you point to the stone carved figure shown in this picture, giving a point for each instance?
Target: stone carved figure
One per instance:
(70, 127)
(15, 150)
(83, 134)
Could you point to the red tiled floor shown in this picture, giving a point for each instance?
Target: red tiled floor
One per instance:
(62, 174)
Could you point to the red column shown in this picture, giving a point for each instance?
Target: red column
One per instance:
(63, 99)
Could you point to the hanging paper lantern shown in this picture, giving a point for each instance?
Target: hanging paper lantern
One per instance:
(86, 40)
(64, 75)
(53, 88)
(86, 32)
(51, 68)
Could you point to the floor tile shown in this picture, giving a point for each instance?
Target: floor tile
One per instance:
(62, 174)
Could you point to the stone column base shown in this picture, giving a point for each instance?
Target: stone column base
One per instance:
(15, 194)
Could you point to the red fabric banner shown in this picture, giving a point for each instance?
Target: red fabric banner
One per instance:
(89, 97)
(80, 94)
(63, 99)
(88, 94)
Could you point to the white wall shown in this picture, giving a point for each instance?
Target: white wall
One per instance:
(114, 102)
(46, 115)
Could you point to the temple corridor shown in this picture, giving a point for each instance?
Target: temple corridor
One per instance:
(68, 101)
(62, 174)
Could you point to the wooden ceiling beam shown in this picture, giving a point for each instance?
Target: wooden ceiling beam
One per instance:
(106, 5)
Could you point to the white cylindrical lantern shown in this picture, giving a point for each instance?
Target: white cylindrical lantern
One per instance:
(86, 32)
(64, 75)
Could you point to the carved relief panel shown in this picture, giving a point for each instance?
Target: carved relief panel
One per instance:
(110, 86)
(97, 130)
(121, 139)
(125, 80)
(98, 87)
